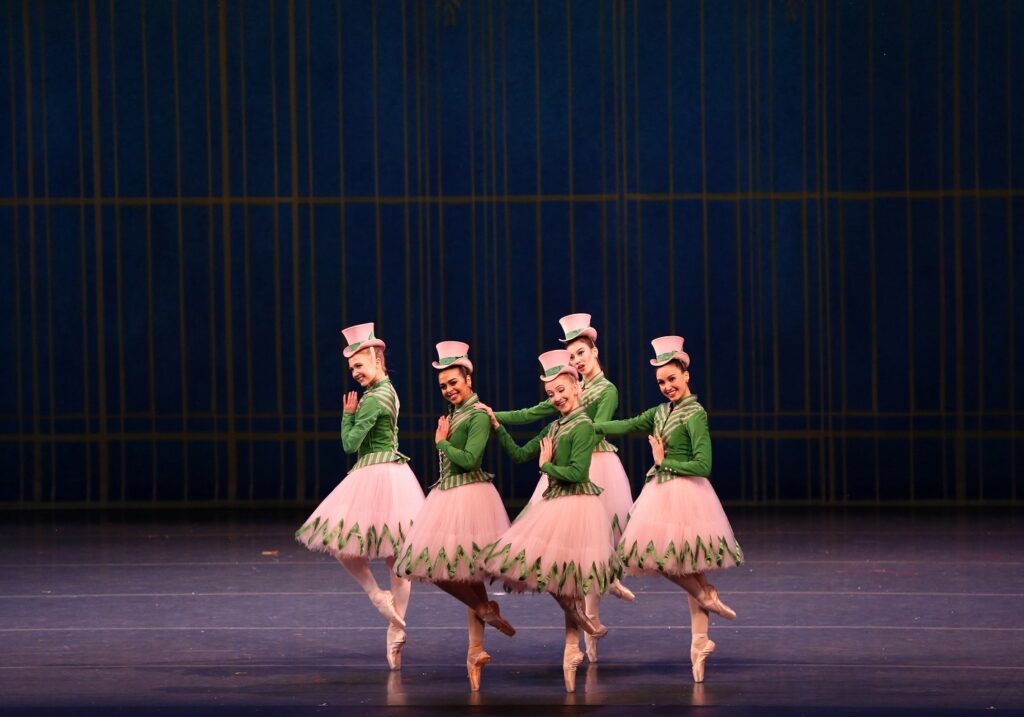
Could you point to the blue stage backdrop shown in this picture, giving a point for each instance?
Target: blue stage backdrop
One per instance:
(824, 198)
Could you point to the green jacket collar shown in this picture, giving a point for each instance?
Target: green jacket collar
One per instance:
(692, 398)
(467, 404)
(572, 415)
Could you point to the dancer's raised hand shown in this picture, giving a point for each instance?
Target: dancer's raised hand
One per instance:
(657, 449)
(490, 413)
(350, 402)
(443, 428)
(547, 450)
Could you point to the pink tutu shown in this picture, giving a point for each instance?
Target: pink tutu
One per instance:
(451, 530)
(607, 474)
(678, 527)
(367, 515)
(538, 491)
(561, 546)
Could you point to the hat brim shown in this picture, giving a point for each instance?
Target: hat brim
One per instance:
(567, 370)
(464, 362)
(368, 344)
(589, 333)
(681, 355)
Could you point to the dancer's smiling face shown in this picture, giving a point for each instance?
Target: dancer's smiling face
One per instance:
(563, 393)
(456, 384)
(367, 366)
(583, 357)
(673, 381)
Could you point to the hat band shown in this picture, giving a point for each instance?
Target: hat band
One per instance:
(450, 359)
(665, 356)
(574, 333)
(554, 370)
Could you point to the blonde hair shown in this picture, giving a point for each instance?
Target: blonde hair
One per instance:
(374, 355)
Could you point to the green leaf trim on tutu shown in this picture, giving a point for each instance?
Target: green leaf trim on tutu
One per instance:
(317, 535)
(702, 557)
(558, 575)
(616, 527)
(470, 559)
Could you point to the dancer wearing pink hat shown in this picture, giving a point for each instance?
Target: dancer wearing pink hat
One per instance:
(463, 511)
(561, 545)
(677, 527)
(599, 399)
(369, 513)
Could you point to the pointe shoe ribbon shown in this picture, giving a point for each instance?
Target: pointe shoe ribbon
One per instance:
(474, 666)
(490, 613)
(711, 602)
(384, 601)
(571, 659)
(621, 591)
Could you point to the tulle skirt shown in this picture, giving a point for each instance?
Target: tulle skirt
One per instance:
(367, 515)
(451, 530)
(678, 527)
(562, 546)
(607, 474)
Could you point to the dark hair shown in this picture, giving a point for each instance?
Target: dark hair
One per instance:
(677, 362)
(587, 341)
(465, 371)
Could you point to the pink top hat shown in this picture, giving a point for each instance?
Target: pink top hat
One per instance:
(453, 353)
(360, 337)
(577, 326)
(554, 363)
(667, 348)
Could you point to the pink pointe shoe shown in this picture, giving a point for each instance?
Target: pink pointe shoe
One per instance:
(711, 602)
(572, 658)
(491, 614)
(576, 611)
(384, 601)
(474, 666)
(395, 643)
(621, 591)
(699, 655)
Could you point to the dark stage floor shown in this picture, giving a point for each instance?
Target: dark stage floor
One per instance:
(844, 612)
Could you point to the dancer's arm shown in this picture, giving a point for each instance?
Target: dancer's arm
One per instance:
(521, 454)
(644, 422)
(606, 405)
(355, 426)
(526, 415)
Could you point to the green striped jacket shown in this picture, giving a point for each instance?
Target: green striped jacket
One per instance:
(460, 454)
(568, 470)
(372, 431)
(599, 399)
(684, 426)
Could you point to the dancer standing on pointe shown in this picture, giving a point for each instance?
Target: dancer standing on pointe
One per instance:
(463, 512)
(369, 513)
(677, 527)
(599, 398)
(562, 544)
